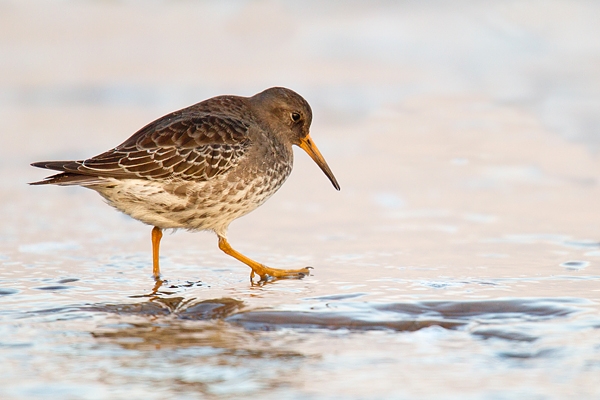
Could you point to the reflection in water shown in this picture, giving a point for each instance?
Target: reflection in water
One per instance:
(175, 306)
(199, 352)
(226, 347)
(247, 343)
(206, 358)
(223, 346)
(331, 313)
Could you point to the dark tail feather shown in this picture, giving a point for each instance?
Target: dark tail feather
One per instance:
(64, 178)
(55, 165)
(68, 179)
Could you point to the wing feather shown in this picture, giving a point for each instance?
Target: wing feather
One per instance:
(197, 143)
(200, 153)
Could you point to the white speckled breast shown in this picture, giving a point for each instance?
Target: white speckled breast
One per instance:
(206, 205)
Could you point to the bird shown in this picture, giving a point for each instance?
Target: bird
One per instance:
(202, 167)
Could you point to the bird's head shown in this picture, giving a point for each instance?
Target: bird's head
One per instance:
(286, 111)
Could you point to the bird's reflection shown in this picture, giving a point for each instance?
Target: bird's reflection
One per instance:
(190, 346)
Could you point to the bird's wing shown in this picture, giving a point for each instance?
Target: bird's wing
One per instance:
(178, 146)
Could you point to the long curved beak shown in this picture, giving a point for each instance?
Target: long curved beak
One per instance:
(311, 149)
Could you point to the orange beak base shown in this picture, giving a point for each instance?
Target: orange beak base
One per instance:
(311, 149)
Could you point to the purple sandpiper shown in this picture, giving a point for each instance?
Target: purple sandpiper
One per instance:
(202, 167)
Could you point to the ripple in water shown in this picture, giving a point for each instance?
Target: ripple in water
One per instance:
(575, 265)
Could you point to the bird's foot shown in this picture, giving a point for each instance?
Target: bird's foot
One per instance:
(262, 270)
(266, 272)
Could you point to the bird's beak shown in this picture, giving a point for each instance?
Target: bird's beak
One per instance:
(309, 147)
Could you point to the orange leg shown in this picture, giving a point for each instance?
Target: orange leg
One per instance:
(261, 270)
(156, 236)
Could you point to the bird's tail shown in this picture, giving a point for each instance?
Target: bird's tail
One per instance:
(64, 178)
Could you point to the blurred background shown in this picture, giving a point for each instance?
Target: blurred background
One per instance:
(350, 60)
(461, 257)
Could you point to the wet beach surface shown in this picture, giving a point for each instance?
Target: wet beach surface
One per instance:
(461, 258)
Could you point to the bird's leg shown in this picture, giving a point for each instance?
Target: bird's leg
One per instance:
(257, 268)
(156, 236)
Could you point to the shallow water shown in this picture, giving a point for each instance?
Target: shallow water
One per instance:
(460, 260)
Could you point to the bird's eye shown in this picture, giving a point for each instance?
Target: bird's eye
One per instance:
(295, 116)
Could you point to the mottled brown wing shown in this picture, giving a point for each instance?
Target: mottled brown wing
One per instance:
(175, 146)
